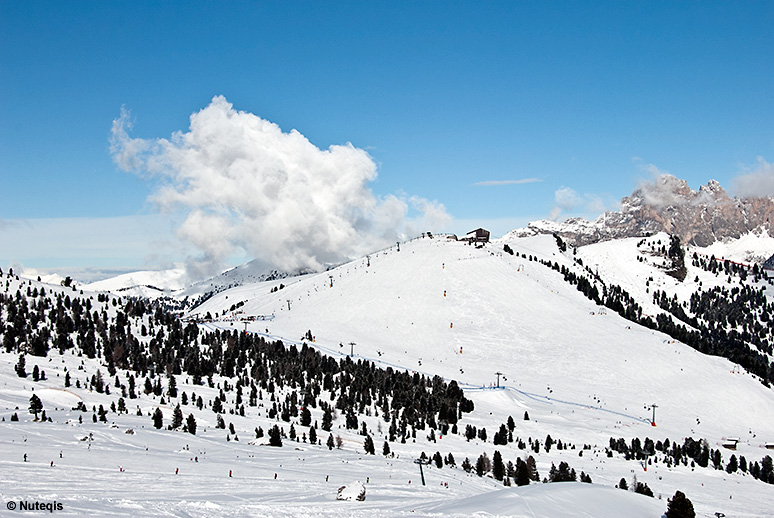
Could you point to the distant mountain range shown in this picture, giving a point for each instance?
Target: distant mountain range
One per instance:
(669, 205)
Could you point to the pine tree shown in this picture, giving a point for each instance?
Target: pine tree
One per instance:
(368, 445)
(522, 473)
(158, 418)
(622, 484)
(36, 405)
(191, 424)
(386, 448)
(680, 507)
(642, 488)
(330, 442)
(501, 436)
(351, 419)
(732, 464)
(275, 437)
(312, 435)
(98, 382)
(532, 469)
(767, 470)
(20, 366)
(172, 387)
(327, 419)
(483, 464)
(498, 468)
(177, 418)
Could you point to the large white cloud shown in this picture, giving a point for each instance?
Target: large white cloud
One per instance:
(246, 184)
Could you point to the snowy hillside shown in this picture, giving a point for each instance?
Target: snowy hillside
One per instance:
(582, 375)
(119, 464)
(584, 370)
(504, 313)
(149, 283)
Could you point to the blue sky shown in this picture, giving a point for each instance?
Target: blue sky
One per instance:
(489, 108)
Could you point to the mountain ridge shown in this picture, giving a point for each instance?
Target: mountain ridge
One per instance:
(698, 217)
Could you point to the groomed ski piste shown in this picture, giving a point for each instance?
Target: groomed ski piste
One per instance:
(435, 307)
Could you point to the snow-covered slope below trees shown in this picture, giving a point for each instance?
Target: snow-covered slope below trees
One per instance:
(582, 374)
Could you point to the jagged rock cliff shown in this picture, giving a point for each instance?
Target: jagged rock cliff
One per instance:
(697, 217)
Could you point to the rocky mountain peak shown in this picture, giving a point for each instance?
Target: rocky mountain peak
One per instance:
(699, 217)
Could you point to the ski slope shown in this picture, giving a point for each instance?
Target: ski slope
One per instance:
(508, 314)
(583, 375)
(578, 370)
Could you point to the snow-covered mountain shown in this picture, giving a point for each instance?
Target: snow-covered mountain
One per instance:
(514, 330)
(148, 283)
(176, 283)
(466, 313)
(78, 464)
(700, 218)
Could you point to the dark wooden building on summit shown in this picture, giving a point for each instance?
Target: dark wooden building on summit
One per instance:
(477, 236)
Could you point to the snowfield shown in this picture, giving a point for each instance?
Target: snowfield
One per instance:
(436, 307)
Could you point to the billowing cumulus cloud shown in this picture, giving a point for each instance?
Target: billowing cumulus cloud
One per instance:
(244, 184)
(756, 182)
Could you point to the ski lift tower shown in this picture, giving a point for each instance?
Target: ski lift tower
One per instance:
(653, 421)
(498, 373)
(422, 462)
